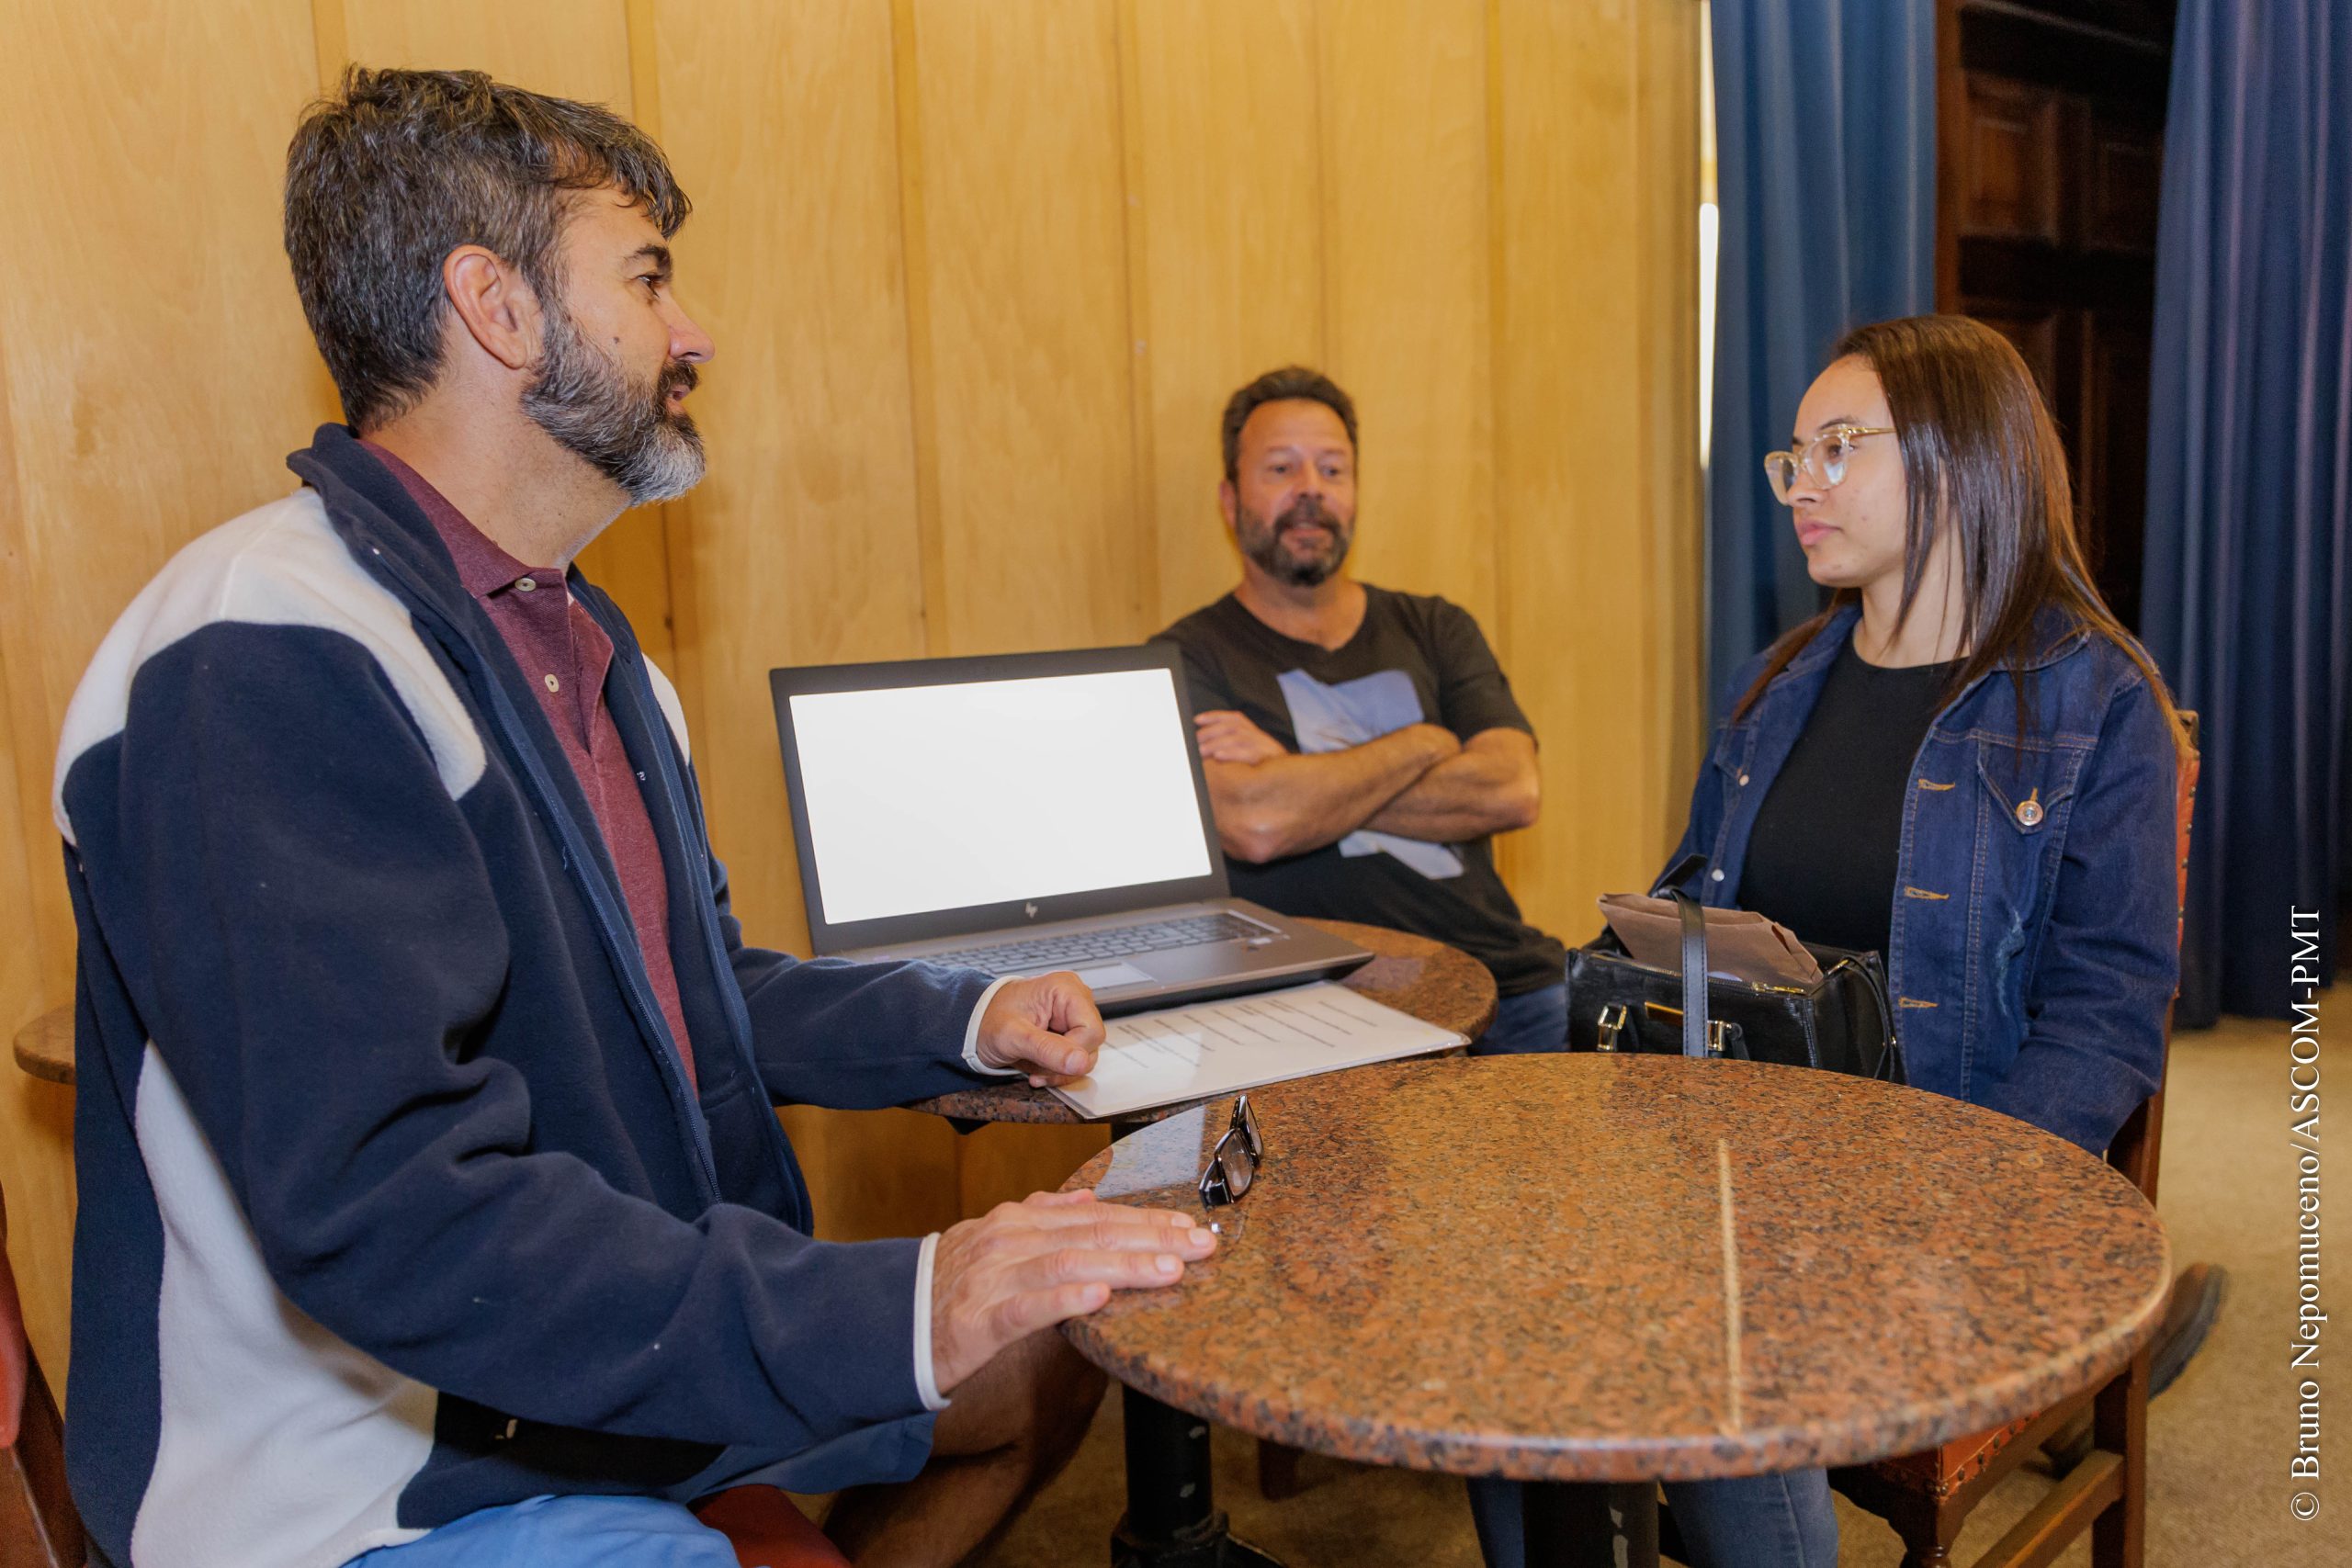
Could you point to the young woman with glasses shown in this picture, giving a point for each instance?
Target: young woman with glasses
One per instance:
(1964, 763)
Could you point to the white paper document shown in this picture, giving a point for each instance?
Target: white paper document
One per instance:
(1211, 1048)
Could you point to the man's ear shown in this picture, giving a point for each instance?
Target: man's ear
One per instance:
(1227, 499)
(498, 310)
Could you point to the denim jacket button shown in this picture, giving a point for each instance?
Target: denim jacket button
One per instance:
(1743, 778)
(2029, 813)
(1717, 875)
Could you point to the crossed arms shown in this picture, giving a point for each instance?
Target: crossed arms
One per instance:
(1417, 782)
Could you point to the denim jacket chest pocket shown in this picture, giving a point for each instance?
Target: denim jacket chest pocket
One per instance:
(2025, 795)
(2024, 799)
(1731, 755)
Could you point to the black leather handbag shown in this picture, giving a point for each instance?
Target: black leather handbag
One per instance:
(1840, 1023)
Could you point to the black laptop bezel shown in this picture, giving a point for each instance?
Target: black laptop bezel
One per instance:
(829, 937)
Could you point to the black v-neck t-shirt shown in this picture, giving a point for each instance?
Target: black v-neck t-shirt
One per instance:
(1822, 855)
(1416, 658)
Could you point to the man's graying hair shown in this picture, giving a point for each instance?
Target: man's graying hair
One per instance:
(1291, 383)
(398, 168)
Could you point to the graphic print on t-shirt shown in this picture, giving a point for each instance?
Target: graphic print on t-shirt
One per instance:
(1332, 718)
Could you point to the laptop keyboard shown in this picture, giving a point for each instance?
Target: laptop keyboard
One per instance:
(1079, 950)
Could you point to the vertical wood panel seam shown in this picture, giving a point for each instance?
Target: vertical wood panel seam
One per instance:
(1144, 470)
(915, 259)
(329, 41)
(24, 712)
(1659, 346)
(644, 67)
(1653, 490)
(1512, 850)
(1326, 202)
(1497, 325)
(1667, 321)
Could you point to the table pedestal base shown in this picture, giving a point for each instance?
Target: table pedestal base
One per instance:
(1216, 1549)
(1578, 1524)
(1172, 1519)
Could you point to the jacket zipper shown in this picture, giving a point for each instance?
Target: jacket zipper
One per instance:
(705, 919)
(621, 941)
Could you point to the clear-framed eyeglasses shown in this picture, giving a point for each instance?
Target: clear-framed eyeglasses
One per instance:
(1233, 1163)
(1823, 457)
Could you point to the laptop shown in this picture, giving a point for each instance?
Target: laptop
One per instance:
(1021, 813)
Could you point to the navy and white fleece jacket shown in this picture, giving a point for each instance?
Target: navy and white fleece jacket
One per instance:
(395, 1204)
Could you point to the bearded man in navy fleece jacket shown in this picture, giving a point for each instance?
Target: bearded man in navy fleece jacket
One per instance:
(432, 1207)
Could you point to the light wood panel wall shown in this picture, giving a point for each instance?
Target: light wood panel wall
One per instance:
(981, 273)
(156, 372)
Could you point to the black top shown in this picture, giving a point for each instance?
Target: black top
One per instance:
(1822, 857)
(1414, 659)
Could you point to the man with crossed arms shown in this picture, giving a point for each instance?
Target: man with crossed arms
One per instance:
(1362, 745)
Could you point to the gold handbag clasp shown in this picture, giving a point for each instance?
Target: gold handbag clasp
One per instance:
(1612, 1024)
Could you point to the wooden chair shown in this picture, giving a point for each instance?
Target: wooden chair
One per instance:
(1928, 1496)
(768, 1530)
(39, 1527)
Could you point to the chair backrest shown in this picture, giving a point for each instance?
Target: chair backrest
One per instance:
(2138, 1145)
(39, 1527)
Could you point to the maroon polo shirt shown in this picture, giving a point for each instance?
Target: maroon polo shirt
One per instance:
(565, 654)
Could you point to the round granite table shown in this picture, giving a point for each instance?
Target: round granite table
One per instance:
(1434, 983)
(1592, 1268)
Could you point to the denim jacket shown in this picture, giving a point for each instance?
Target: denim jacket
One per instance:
(2035, 939)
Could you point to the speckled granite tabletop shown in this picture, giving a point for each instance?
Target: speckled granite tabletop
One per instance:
(1433, 982)
(1586, 1268)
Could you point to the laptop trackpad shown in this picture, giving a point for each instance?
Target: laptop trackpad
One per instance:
(1109, 977)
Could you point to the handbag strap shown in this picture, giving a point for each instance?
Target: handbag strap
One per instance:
(1677, 874)
(1890, 1056)
(1694, 973)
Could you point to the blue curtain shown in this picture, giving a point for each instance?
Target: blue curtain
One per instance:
(1826, 175)
(2248, 593)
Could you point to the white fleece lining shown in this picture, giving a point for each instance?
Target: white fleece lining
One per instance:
(279, 1443)
(672, 709)
(282, 564)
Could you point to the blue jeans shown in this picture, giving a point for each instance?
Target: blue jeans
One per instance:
(565, 1532)
(1749, 1521)
(603, 1530)
(1534, 1020)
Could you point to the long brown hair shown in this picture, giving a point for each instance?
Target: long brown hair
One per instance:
(1982, 457)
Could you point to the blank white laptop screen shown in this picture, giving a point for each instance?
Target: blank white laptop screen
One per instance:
(941, 797)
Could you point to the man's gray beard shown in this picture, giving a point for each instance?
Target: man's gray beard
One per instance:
(1262, 543)
(584, 401)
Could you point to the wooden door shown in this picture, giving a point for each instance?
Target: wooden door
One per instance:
(2050, 152)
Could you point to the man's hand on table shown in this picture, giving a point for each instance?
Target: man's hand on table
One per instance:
(1026, 1266)
(1046, 1026)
